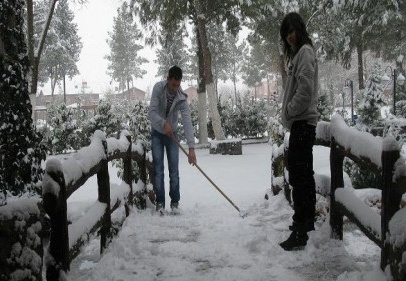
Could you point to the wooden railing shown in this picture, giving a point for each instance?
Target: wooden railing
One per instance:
(63, 178)
(384, 161)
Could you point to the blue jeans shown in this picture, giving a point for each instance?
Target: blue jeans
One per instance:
(160, 143)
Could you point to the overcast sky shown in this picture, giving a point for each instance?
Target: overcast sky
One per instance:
(95, 20)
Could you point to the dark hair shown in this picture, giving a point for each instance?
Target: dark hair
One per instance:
(175, 72)
(293, 21)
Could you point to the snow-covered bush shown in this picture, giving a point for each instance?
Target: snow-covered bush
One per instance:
(276, 131)
(20, 241)
(372, 101)
(105, 120)
(64, 135)
(401, 108)
(140, 129)
(139, 125)
(195, 122)
(248, 120)
(397, 128)
(256, 119)
(361, 177)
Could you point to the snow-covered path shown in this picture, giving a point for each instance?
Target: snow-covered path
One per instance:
(210, 241)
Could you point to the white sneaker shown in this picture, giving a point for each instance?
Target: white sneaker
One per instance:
(160, 208)
(175, 208)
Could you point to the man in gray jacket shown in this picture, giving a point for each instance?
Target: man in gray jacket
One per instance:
(167, 101)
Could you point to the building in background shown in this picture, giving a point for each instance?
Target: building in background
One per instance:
(87, 102)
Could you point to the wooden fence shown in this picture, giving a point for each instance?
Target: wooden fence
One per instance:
(385, 161)
(62, 178)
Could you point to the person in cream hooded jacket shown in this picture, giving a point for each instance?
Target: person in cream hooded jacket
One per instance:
(300, 116)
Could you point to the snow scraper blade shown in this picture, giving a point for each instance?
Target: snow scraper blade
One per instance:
(242, 214)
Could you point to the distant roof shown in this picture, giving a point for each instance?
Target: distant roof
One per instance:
(73, 105)
(132, 89)
(40, 107)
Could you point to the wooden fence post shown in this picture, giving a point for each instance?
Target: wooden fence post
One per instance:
(390, 202)
(56, 208)
(128, 179)
(143, 177)
(336, 170)
(286, 186)
(103, 182)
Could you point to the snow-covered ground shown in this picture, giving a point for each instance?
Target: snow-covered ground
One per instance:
(210, 241)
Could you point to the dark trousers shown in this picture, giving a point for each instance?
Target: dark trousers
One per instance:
(301, 174)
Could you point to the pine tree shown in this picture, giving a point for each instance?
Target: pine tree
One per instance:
(124, 61)
(254, 66)
(21, 152)
(372, 101)
(173, 52)
(62, 47)
(226, 54)
(219, 52)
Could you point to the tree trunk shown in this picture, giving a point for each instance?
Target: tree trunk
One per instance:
(53, 84)
(201, 94)
(235, 84)
(360, 66)
(35, 55)
(64, 90)
(282, 67)
(30, 47)
(215, 116)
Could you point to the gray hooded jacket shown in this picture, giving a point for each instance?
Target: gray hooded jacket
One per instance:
(157, 111)
(300, 97)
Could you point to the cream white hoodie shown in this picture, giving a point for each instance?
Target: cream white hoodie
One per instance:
(300, 97)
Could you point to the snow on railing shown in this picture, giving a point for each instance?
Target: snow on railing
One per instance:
(80, 163)
(378, 155)
(63, 177)
(381, 156)
(369, 219)
(359, 144)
